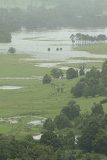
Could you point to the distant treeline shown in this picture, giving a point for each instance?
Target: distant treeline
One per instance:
(5, 37)
(75, 14)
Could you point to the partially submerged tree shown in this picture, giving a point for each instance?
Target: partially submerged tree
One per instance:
(12, 50)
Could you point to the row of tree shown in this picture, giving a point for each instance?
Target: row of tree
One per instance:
(71, 73)
(83, 39)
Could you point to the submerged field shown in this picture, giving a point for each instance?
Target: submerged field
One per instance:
(34, 100)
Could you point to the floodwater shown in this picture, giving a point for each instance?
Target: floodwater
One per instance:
(49, 44)
(62, 64)
(14, 120)
(10, 87)
(37, 137)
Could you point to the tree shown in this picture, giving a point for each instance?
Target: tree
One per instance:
(72, 37)
(69, 140)
(12, 50)
(101, 38)
(81, 89)
(90, 85)
(71, 73)
(97, 109)
(62, 121)
(72, 110)
(100, 142)
(89, 133)
(95, 74)
(56, 73)
(49, 125)
(65, 155)
(46, 79)
(82, 71)
(50, 138)
(104, 73)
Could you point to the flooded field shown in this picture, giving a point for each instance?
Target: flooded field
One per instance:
(49, 44)
(10, 87)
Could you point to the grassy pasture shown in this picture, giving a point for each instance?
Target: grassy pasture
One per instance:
(100, 48)
(34, 98)
(17, 66)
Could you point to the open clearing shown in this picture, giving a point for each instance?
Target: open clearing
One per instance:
(34, 98)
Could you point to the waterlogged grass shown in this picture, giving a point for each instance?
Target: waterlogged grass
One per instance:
(95, 48)
(17, 66)
(86, 65)
(34, 98)
(37, 99)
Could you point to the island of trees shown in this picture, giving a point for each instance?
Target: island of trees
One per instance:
(85, 39)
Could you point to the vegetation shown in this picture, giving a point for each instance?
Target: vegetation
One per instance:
(57, 73)
(11, 50)
(47, 79)
(93, 84)
(82, 70)
(83, 39)
(21, 103)
(100, 48)
(58, 143)
(76, 100)
(71, 73)
(75, 14)
(68, 122)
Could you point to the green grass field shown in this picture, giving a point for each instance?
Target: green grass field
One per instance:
(34, 98)
(17, 66)
(96, 48)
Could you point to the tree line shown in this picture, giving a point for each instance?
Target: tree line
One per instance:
(85, 39)
(75, 15)
(57, 73)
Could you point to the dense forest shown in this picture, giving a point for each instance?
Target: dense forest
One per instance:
(92, 14)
